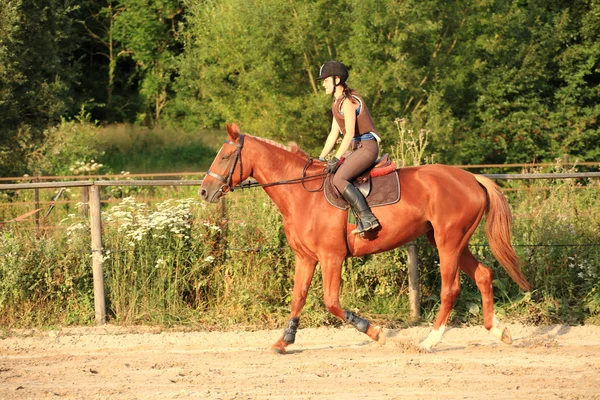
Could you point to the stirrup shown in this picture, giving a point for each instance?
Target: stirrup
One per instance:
(361, 228)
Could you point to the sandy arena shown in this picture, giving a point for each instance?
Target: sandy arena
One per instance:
(554, 362)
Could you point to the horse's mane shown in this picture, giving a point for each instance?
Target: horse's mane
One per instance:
(292, 147)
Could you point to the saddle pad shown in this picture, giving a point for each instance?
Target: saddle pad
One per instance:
(384, 190)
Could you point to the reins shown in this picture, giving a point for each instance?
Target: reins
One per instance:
(302, 179)
(227, 180)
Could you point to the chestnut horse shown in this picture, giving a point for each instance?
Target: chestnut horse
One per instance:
(444, 203)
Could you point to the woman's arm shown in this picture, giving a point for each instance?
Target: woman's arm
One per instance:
(331, 139)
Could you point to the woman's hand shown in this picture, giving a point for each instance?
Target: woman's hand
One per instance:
(332, 165)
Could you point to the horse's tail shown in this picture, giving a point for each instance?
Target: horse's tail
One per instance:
(498, 230)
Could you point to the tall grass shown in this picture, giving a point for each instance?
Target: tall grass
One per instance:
(43, 282)
(179, 261)
(559, 224)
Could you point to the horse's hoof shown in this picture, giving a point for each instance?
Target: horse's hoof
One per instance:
(425, 348)
(506, 336)
(380, 335)
(376, 334)
(277, 349)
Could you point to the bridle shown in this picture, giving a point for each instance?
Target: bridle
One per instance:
(226, 187)
(228, 180)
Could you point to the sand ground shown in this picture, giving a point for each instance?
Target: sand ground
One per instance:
(109, 362)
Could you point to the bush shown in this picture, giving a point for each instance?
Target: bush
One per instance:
(70, 148)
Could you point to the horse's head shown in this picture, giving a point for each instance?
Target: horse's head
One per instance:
(227, 169)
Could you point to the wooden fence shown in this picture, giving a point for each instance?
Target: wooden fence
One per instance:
(94, 191)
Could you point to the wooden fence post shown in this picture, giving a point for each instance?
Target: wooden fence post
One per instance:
(85, 201)
(36, 199)
(97, 256)
(414, 297)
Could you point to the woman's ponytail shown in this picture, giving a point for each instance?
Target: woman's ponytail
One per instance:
(348, 91)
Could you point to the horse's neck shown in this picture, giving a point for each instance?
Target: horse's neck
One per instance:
(271, 165)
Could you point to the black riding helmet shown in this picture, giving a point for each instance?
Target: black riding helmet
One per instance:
(334, 68)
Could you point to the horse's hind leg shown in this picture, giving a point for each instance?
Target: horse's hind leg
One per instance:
(305, 269)
(482, 276)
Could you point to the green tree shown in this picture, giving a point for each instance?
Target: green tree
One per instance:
(38, 74)
(146, 30)
(399, 53)
(576, 114)
(491, 80)
(9, 77)
(255, 63)
(102, 53)
(519, 62)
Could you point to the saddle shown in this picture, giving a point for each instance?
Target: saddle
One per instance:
(379, 184)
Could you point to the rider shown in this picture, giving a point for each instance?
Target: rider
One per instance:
(353, 120)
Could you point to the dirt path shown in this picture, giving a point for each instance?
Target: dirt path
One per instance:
(555, 362)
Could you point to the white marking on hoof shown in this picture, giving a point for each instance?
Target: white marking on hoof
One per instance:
(506, 336)
(497, 332)
(380, 335)
(434, 338)
(502, 334)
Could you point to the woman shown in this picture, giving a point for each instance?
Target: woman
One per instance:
(353, 120)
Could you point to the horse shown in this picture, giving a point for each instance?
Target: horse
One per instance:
(444, 203)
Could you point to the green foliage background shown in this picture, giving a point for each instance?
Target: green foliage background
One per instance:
(494, 81)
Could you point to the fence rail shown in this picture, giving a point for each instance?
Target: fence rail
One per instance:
(105, 176)
(202, 173)
(93, 198)
(573, 175)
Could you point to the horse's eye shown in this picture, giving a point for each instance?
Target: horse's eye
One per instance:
(225, 157)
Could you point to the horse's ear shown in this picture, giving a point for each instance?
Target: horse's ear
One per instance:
(233, 131)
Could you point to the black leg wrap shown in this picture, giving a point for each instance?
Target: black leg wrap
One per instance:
(289, 335)
(361, 324)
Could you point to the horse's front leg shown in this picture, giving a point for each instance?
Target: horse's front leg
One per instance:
(332, 277)
(305, 269)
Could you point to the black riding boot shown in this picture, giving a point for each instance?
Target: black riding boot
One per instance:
(357, 201)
